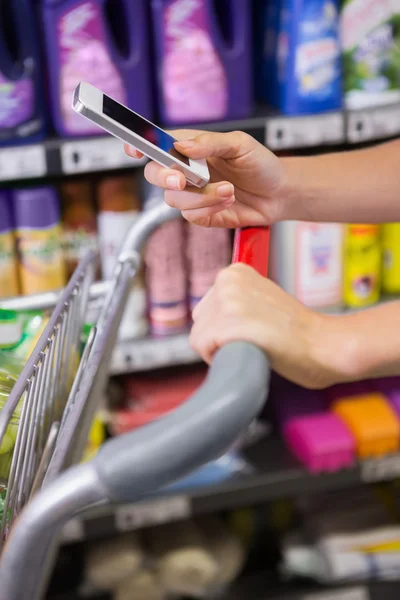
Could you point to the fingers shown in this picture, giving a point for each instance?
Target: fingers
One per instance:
(162, 177)
(212, 194)
(209, 144)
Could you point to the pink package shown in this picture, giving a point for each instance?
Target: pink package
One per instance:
(321, 442)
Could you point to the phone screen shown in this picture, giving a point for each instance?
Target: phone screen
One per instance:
(141, 127)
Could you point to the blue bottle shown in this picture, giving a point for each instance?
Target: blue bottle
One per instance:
(300, 68)
(22, 106)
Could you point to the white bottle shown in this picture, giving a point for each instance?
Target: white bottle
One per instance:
(307, 262)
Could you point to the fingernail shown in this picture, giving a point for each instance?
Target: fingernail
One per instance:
(173, 182)
(131, 150)
(229, 202)
(185, 144)
(226, 190)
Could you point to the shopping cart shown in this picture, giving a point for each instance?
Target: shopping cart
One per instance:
(57, 397)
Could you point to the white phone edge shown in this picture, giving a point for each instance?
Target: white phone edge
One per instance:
(88, 101)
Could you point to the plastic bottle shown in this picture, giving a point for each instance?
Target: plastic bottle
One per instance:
(79, 222)
(370, 34)
(22, 108)
(8, 259)
(308, 262)
(203, 58)
(362, 265)
(391, 258)
(39, 240)
(165, 273)
(299, 71)
(103, 42)
(119, 207)
(208, 251)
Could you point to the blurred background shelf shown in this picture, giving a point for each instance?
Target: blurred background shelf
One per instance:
(276, 475)
(56, 157)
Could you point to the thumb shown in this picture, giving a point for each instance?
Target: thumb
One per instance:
(222, 145)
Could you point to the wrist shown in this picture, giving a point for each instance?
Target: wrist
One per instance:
(298, 194)
(337, 350)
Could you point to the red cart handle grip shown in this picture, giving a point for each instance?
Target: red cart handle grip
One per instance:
(251, 246)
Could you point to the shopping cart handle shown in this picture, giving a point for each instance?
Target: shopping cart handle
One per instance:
(202, 429)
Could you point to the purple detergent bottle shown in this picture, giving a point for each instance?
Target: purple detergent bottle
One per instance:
(22, 113)
(103, 42)
(203, 52)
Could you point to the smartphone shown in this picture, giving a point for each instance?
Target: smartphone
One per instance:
(128, 126)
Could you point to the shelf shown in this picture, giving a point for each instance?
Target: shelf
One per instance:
(152, 353)
(277, 475)
(259, 587)
(56, 157)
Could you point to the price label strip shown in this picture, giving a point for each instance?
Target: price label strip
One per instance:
(96, 154)
(373, 124)
(381, 469)
(142, 355)
(156, 512)
(356, 593)
(303, 132)
(23, 162)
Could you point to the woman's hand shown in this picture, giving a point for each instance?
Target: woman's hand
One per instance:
(247, 185)
(310, 349)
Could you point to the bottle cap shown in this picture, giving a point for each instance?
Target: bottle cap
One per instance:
(10, 328)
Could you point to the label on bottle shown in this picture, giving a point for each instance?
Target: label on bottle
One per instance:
(16, 108)
(8, 266)
(84, 56)
(208, 252)
(41, 259)
(391, 258)
(362, 265)
(166, 279)
(76, 243)
(319, 272)
(113, 228)
(191, 94)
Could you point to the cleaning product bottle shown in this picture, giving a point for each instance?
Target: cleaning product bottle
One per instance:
(362, 265)
(119, 208)
(370, 33)
(22, 107)
(208, 251)
(308, 262)
(103, 42)
(165, 273)
(79, 222)
(203, 58)
(39, 240)
(301, 60)
(8, 259)
(391, 258)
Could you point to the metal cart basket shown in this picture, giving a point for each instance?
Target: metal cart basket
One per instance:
(56, 397)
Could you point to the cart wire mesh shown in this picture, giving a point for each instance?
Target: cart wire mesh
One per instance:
(41, 393)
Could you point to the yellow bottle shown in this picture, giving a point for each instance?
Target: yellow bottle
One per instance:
(391, 258)
(362, 265)
(39, 239)
(8, 258)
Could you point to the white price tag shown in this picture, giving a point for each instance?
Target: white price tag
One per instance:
(357, 593)
(94, 155)
(22, 163)
(301, 132)
(372, 124)
(73, 531)
(143, 355)
(381, 469)
(154, 512)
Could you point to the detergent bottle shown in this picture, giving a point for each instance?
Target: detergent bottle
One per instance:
(300, 69)
(203, 50)
(22, 116)
(391, 258)
(102, 42)
(362, 265)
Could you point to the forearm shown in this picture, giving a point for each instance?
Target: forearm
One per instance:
(360, 186)
(362, 345)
